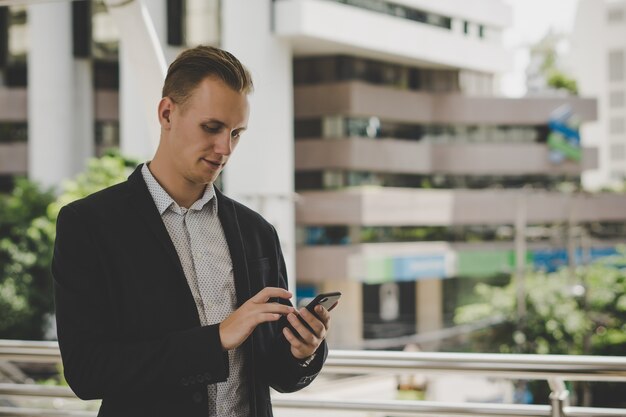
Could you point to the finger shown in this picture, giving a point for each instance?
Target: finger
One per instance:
(306, 335)
(318, 326)
(268, 292)
(324, 316)
(265, 317)
(275, 308)
(293, 340)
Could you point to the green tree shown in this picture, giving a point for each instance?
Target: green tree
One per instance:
(27, 232)
(562, 318)
(26, 236)
(560, 81)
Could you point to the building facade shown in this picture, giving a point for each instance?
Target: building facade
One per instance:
(598, 62)
(378, 146)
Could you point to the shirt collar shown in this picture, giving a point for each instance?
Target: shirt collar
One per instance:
(163, 200)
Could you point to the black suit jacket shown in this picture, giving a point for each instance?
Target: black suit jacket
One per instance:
(128, 328)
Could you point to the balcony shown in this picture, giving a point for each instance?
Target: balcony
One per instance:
(407, 261)
(14, 105)
(321, 27)
(387, 206)
(13, 158)
(358, 99)
(407, 157)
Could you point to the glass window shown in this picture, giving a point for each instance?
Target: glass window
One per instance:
(18, 33)
(13, 132)
(466, 27)
(107, 136)
(105, 36)
(617, 126)
(617, 99)
(618, 152)
(193, 22)
(202, 22)
(615, 15)
(616, 65)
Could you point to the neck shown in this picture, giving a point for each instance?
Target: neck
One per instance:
(183, 191)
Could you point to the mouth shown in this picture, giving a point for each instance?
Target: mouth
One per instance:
(213, 164)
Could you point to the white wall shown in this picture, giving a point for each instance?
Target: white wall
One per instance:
(324, 27)
(260, 173)
(591, 39)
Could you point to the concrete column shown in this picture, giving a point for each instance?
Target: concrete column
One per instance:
(135, 135)
(55, 117)
(429, 309)
(84, 112)
(260, 173)
(346, 331)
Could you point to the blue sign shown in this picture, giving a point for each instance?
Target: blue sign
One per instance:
(410, 268)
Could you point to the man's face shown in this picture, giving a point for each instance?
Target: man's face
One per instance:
(203, 133)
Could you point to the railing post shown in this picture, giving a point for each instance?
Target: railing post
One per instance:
(559, 397)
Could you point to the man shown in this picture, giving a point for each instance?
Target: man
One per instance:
(163, 284)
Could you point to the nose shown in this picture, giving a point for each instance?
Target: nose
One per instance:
(223, 144)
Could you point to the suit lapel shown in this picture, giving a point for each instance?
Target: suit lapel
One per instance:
(227, 214)
(142, 201)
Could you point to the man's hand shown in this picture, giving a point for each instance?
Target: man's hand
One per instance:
(308, 342)
(240, 324)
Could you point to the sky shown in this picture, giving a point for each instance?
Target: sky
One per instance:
(531, 21)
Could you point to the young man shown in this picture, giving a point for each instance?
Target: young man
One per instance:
(163, 285)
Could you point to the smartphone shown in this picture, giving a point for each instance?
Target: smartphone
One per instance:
(327, 300)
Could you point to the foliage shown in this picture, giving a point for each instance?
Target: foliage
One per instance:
(583, 314)
(560, 81)
(557, 320)
(27, 231)
(25, 238)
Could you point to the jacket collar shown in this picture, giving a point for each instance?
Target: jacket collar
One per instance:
(143, 202)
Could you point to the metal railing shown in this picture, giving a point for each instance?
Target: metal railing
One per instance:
(553, 368)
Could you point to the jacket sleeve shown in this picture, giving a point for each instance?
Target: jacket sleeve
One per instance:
(289, 375)
(96, 363)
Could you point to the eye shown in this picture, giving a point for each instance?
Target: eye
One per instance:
(237, 134)
(211, 129)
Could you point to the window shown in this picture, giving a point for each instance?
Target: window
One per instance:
(617, 99)
(14, 45)
(193, 22)
(615, 15)
(618, 152)
(466, 27)
(4, 35)
(13, 132)
(107, 136)
(616, 65)
(481, 31)
(617, 126)
(81, 28)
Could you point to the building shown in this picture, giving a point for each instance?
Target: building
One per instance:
(598, 62)
(378, 143)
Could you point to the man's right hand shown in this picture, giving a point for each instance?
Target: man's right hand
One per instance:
(240, 324)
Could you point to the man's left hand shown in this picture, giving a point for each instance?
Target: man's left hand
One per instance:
(307, 344)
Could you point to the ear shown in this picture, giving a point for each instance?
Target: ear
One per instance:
(165, 109)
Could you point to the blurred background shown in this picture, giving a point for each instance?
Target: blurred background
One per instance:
(456, 168)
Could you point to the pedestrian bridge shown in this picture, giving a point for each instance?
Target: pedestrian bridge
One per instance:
(555, 369)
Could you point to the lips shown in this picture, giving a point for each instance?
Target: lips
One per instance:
(213, 164)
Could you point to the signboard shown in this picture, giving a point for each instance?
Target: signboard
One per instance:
(564, 137)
